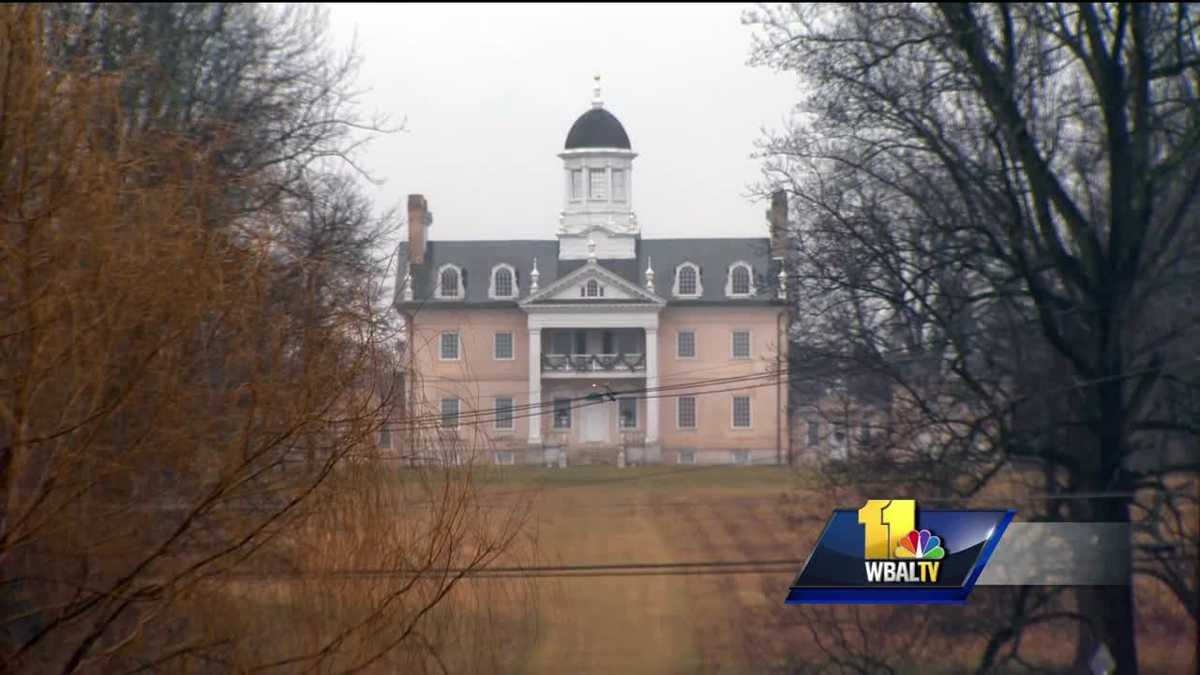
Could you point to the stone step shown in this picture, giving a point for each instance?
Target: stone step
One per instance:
(605, 455)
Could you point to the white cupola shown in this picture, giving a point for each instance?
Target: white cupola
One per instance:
(598, 199)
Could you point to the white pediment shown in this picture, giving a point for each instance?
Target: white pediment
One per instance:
(592, 283)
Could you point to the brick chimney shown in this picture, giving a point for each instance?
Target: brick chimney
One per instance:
(777, 216)
(419, 221)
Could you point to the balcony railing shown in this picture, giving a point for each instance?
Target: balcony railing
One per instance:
(593, 363)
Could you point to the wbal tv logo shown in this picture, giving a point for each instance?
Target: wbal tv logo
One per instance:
(890, 552)
(910, 556)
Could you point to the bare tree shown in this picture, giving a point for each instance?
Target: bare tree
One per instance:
(999, 216)
(191, 389)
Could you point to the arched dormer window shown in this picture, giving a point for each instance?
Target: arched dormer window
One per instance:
(592, 289)
(450, 282)
(504, 283)
(687, 281)
(739, 283)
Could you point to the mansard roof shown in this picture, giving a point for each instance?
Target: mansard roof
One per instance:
(477, 258)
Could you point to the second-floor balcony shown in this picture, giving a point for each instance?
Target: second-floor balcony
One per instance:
(574, 365)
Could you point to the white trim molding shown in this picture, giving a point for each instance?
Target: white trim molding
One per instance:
(512, 345)
(699, 281)
(749, 344)
(516, 290)
(729, 280)
(462, 286)
(695, 344)
(457, 345)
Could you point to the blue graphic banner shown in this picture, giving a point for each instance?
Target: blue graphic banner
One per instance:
(840, 572)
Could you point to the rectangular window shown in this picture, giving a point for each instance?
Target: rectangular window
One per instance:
(562, 413)
(504, 458)
(449, 413)
(580, 342)
(741, 412)
(687, 456)
(814, 433)
(685, 412)
(620, 193)
(741, 344)
(597, 184)
(504, 412)
(449, 346)
(741, 456)
(385, 439)
(628, 413)
(577, 184)
(504, 346)
(685, 348)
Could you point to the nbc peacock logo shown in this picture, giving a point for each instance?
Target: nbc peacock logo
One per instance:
(894, 550)
(921, 545)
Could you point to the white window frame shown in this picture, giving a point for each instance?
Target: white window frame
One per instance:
(512, 422)
(729, 280)
(554, 414)
(385, 433)
(462, 286)
(637, 418)
(733, 412)
(457, 413)
(442, 345)
(516, 290)
(699, 281)
(613, 173)
(695, 345)
(689, 454)
(577, 195)
(735, 454)
(605, 186)
(749, 344)
(512, 345)
(695, 413)
(505, 458)
(586, 290)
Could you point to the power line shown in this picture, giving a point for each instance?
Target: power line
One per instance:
(790, 565)
(483, 416)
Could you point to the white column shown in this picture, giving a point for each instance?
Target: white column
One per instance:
(535, 386)
(651, 385)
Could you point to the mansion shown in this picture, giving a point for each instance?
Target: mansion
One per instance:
(596, 345)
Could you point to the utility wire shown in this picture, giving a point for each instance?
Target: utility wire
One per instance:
(435, 420)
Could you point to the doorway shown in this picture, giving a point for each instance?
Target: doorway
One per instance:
(596, 414)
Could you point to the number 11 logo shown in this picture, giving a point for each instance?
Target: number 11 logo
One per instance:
(885, 522)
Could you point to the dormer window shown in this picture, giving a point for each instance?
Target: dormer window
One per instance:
(592, 289)
(740, 281)
(504, 283)
(687, 281)
(450, 282)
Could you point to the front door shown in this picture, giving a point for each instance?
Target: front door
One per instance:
(595, 419)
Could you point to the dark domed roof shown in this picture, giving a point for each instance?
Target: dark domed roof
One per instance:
(597, 128)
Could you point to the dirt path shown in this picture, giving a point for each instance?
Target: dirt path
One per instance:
(608, 624)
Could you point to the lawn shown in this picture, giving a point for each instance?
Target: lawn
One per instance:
(649, 621)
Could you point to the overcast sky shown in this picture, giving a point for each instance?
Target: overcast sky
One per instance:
(487, 94)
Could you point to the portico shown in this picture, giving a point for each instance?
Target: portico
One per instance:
(604, 309)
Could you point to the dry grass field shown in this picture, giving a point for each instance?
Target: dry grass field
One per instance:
(616, 621)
